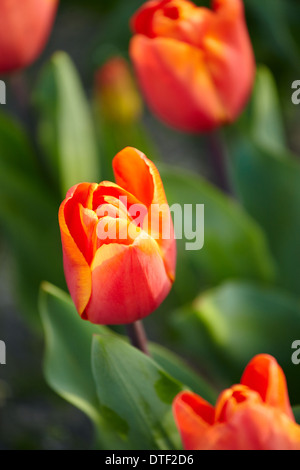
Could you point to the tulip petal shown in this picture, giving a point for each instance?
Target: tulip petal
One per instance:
(177, 83)
(80, 219)
(250, 427)
(138, 175)
(141, 22)
(132, 172)
(264, 375)
(232, 8)
(228, 49)
(130, 282)
(147, 187)
(183, 21)
(231, 399)
(258, 428)
(106, 190)
(77, 271)
(194, 416)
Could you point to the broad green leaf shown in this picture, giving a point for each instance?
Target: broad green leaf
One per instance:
(28, 216)
(226, 327)
(68, 371)
(234, 245)
(67, 360)
(65, 127)
(183, 372)
(267, 122)
(269, 189)
(68, 341)
(135, 394)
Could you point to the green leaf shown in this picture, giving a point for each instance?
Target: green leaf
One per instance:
(69, 371)
(28, 216)
(183, 372)
(135, 394)
(269, 189)
(226, 327)
(68, 341)
(66, 131)
(234, 246)
(67, 360)
(267, 123)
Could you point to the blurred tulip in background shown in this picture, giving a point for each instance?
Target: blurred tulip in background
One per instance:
(255, 415)
(195, 66)
(116, 92)
(24, 29)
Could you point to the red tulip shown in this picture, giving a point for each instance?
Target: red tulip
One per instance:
(119, 264)
(255, 415)
(24, 29)
(195, 66)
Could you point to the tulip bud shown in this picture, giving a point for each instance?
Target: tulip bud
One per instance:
(119, 261)
(24, 29)
(195, 66)
(116, 92)
(254, 415)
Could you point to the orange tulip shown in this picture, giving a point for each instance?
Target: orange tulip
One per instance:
(255, 415)
(24, 30)
(119, 264)
(195, 66)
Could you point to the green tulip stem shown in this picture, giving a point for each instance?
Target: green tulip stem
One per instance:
(137, 336)
(219, 161)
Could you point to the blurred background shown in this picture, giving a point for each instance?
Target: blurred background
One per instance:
(32, 416)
